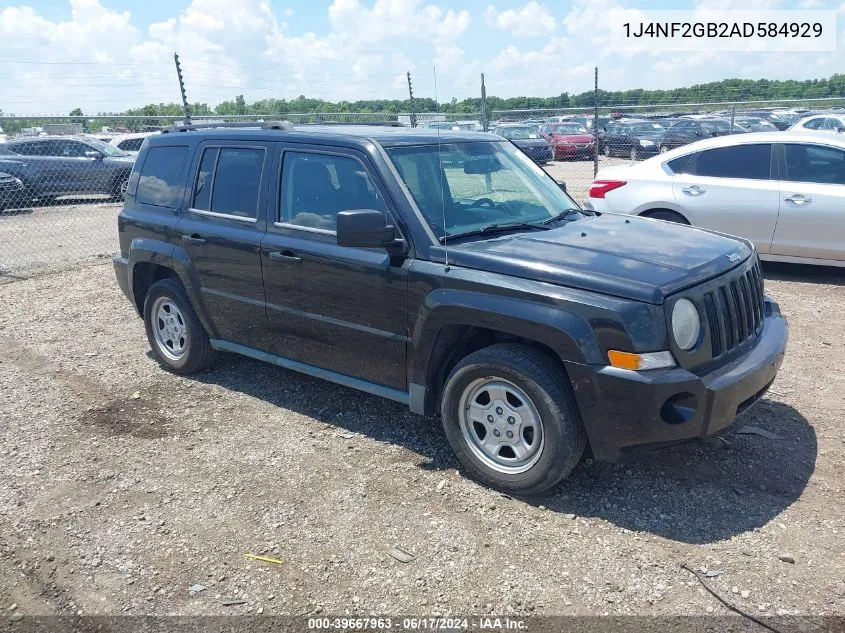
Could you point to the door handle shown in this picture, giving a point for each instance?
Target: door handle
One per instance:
(193, 239)
(693, 190)
(287, 257)
(799, 199)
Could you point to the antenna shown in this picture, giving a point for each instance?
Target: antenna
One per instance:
(440, 161)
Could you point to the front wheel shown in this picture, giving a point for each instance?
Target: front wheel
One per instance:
(512, 420)
(174, 331)
(634, 154)
(119, 187)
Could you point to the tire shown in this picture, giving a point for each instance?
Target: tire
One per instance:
(634, 154)
(607, 150)
(118, 188)
(667, 216)
(663, 149)
(544, 398)
(189, 350)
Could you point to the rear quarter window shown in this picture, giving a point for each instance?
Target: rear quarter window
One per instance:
(160, 178)
(679, 165)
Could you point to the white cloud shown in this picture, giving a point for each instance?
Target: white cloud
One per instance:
(363, 53)
(530, 20)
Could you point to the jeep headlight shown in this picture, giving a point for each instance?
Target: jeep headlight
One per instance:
(646, 143)
(686, 326)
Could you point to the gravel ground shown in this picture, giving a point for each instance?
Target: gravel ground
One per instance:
(57, 237)
(124, 486)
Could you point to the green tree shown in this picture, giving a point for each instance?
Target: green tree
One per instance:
(76, 112)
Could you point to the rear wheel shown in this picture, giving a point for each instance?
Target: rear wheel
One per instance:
(664, 149)
(634, 154)
(607, 150)
(174, 331)
(512, 420)
(667, 215)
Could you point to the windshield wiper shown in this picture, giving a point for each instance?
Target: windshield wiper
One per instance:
(565, 214)
(493, 228)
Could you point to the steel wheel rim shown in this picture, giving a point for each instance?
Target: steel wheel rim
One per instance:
(663, 149)
(169, 328)
(124, 185)
(501, 425)
(633, 153)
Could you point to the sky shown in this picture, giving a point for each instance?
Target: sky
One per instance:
(108, 55)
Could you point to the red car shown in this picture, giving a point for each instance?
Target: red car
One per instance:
(569, 140)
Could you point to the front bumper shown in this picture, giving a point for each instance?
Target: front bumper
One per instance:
(624, 410)
(540, 154)
(649, 150)
(573, 151)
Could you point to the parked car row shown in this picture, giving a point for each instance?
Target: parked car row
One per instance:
(784, 191)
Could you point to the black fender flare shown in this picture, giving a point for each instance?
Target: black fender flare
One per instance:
(568, 334)
(150, 251)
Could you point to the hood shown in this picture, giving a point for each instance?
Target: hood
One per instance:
(530, 142)
(630, 257)
(573, 138)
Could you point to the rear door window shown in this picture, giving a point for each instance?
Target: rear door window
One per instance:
(237, 181)
(160, 180)
(750, 162)
(815, 163)
(680, 165)
(229, 181)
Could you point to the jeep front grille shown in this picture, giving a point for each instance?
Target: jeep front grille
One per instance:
(734, 310)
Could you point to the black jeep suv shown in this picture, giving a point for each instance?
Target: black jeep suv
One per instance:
(445, 270)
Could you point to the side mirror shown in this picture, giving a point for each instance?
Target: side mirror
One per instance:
(92, 153)
(365, 228)
(562, 185)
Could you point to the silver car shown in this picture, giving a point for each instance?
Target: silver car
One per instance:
(784, 191)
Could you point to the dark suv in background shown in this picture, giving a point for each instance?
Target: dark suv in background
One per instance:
(54, 166)
(446, 271)
(687, 131)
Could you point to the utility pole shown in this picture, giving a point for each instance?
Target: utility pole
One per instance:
(411, 94)
(485, 118)
(596, 124)
(733, 116)
(182, 89)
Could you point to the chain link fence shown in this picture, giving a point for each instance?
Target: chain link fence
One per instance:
(62, 179)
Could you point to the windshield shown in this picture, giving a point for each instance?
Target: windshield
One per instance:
(569, 128)
(516, 133)
(479, 183)
(646, 128)
(716, 125)
(104, 148)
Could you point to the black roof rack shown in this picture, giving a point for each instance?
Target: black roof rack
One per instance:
(264, 125)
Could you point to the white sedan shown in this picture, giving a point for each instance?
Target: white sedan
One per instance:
(130, 142)
(820, 123)
(784, 191)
